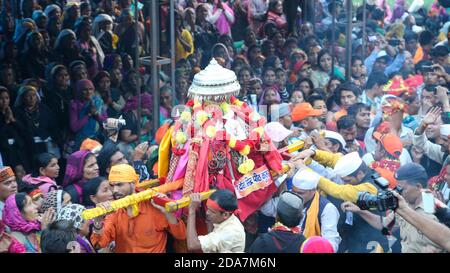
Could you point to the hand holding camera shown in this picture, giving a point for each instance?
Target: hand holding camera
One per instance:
(113, 123)
(385, 198)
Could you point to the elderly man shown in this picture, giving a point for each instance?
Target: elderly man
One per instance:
(139, 228)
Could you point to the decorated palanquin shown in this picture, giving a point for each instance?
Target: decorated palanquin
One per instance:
(219, 142)
(216, 142)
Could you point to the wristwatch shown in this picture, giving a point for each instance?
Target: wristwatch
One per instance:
(314, 149)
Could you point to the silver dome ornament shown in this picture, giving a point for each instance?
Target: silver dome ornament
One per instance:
(214, 83)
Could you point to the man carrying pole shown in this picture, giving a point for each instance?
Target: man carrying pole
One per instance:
(139, 228)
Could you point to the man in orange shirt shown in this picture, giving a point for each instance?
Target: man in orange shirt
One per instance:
(141, 228)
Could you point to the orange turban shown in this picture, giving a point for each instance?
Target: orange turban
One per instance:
(123, 173)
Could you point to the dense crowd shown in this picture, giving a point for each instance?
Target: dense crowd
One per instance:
(71, 137)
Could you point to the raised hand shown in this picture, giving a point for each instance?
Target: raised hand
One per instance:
(432, 116)
(47, 218)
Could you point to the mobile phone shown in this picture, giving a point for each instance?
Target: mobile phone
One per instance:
(394, 42)
(427, 68)
(428, 202)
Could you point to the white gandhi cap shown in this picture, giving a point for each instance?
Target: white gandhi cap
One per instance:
(306, 180)
(348, 164)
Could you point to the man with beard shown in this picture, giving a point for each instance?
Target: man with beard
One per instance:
(140, 228)
(346, 126)
(361, 113)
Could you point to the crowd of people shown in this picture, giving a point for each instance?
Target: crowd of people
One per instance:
(71, 138)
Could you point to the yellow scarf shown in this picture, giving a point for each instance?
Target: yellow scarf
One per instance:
(312, 226)
(164, 154)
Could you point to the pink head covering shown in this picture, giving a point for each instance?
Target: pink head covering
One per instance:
(132, 104)
(74, 168)
(261, 99)
(14, 220)
(316, 244)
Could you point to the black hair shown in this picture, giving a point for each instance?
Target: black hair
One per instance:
(377, 14)
(322, 53)
(25, 187)
(426, 37)
(270, 61)
(245, 68)
(419, 66)
(250, 49)
(334, 142)
(100, 75)
(310, 83)
(225, 199)
(41, 161)
(346, 87)
(345, 122)
(297, 90)
(21, 200)
(104, 157)
(84, 6)
(91, 188)
(376, 77)
(56, 238)
(267, 69)
(291, 40)
(314, 98)
(272, 5)
(356, 58)
(410, 35)
(266, 46)
(356, 108)
(318, 92)
(439, 51)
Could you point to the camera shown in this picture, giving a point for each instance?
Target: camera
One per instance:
(394, 42)
(384, 200)
(113, 123)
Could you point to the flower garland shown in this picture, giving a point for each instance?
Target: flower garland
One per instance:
(280, 227)
(201, 119)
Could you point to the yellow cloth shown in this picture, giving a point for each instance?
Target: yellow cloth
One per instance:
(326, 158)
(312, 226)
(345, 192)
(164, 154)
(180, 52)
(115, 41)
(419, 55)
(123, 173)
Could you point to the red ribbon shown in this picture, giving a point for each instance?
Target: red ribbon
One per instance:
(213, 205)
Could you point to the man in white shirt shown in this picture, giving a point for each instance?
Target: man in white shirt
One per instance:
(228, 233)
